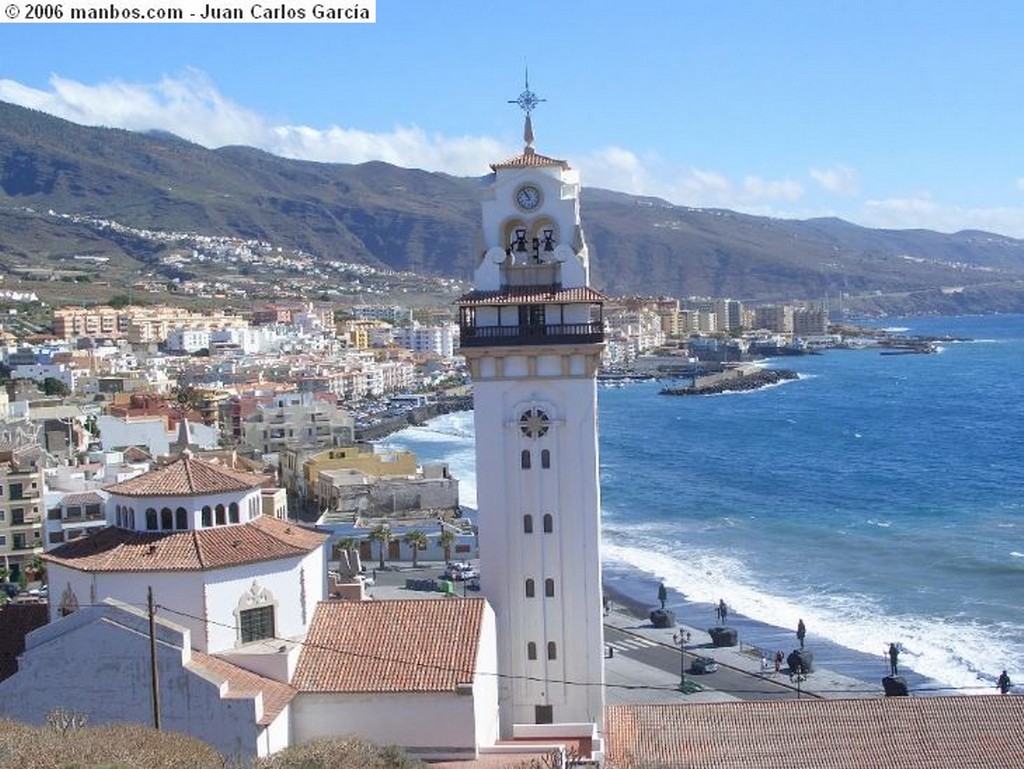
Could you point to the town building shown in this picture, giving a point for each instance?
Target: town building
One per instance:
(21, 507)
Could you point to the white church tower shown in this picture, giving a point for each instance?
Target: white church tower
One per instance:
(532, 334)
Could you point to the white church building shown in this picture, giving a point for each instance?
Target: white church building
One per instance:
(228, 605)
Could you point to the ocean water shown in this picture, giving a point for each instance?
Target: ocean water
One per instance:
(878, 498)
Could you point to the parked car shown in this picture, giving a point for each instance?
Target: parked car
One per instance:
(703, 665)
(461, 571)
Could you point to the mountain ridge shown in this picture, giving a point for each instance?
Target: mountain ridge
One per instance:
(402, 219)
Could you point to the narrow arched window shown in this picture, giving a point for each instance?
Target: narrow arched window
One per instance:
(233, 512)
(552, 651)
(181, 518)
(151, 519)
(545, 459)
(549, 523)
(207, 517)
(166, 519)
(119, 519)
(531, 651)
(524, 459)
(131, 517)
(529, 588)
(527, 524)
(549, 588)
(220, 515)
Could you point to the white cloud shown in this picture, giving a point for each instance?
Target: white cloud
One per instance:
(923, 212)
(841, 180)
(191, 106)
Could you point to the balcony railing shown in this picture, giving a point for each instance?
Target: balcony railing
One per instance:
(508, 336)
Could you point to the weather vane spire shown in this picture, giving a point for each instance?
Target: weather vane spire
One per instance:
(527, 102)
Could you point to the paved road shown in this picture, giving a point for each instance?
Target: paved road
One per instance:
(739, 684)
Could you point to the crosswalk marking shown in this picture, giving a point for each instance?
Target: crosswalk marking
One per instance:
(634, 642)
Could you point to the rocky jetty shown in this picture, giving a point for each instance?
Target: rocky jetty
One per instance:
(749, 378)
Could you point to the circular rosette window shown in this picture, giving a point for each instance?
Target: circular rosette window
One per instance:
(534, 423)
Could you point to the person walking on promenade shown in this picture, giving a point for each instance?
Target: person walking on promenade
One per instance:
(894, 655)
(662, 594)
(722, 611)
(801, 631)
(778, 661)
(1004, 683)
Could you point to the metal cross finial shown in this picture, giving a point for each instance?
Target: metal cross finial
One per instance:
(527, 100)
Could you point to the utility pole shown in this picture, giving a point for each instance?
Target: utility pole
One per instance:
(154, 680)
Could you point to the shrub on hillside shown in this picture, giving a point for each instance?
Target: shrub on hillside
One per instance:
(65, 743)
(341, 753)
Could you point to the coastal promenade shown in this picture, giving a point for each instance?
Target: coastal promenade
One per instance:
(642, 663)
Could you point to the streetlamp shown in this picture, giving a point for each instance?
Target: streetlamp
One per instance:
(798, 678)
(680, 639)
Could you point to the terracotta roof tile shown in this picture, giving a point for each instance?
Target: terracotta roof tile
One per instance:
(409, 645)
(187, 476)
(83, 498)
(530, 159)
(906, 732)
(242, 683)
(115, 549)
(533, 295)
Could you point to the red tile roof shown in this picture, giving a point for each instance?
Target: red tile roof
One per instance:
(961, 732)
(530, 159)
(115, 549)
(533, 295)
(187, 476)
(242, 683)
(82, 498)
(408, 645)
(16, 621)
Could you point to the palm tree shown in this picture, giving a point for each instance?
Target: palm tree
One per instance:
(38, 567)
(416, 540)
(447, 539)
(381, 533)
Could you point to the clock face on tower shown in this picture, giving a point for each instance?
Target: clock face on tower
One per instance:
(528, 197)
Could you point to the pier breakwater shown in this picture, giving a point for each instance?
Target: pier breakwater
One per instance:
(734, 380)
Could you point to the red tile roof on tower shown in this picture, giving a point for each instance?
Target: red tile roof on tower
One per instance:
(187, 476)
(530, 159)
(408, 645)
(242, 683)
(115, 549)
(533, 295)
(953, 732)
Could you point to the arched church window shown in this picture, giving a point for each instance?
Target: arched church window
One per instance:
(151, 519)
(181, 518)
(552, 650)
(524, 459)
(220, 517)
(233, 512)
(549, 523)
(531, 651)
(166, 519)
(549, 588)
(545, 459)
(207, 516)
(529, 588)
(527, 524)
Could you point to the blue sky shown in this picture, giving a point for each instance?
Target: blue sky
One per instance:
(887, 114)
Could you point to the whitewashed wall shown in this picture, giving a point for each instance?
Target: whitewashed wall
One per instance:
(96, 662)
